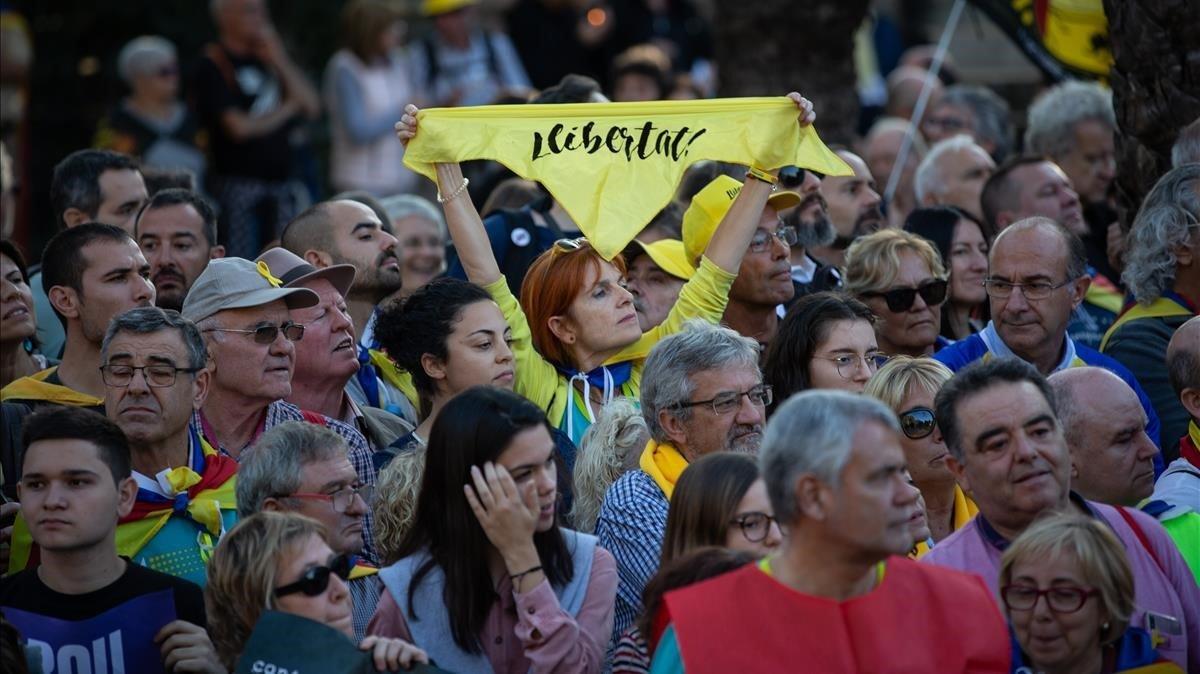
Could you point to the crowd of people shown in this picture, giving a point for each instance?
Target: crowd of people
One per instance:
(792, 427)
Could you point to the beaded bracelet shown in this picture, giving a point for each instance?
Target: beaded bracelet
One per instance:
(456, 193)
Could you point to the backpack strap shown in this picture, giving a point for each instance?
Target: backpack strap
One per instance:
(313, 418)
(1141, 536)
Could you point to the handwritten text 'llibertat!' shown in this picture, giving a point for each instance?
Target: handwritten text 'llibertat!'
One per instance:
(641, 142)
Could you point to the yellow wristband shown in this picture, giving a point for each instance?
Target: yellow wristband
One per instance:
(759, 174)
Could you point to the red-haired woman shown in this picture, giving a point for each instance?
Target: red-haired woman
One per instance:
(576, 337)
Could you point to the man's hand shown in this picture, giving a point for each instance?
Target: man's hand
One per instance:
(187, 648)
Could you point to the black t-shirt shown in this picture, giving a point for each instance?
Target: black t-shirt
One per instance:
(225, 81)
(122, 617)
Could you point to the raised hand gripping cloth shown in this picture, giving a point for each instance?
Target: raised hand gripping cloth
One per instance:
(613, 166)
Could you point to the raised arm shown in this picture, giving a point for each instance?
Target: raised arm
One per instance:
(466, 229)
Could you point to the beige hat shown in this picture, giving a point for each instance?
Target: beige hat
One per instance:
(295, 272)
(238, 283)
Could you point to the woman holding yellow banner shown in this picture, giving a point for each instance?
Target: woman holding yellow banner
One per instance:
(576, 337)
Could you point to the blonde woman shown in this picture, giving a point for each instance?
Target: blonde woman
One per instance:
(395, 503)
(908, 386)
(282, 562)
(1067, 589)
(609, 447)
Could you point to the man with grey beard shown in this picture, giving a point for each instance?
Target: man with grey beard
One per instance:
(813, 228)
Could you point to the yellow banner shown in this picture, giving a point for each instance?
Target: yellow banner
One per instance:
(614, 166)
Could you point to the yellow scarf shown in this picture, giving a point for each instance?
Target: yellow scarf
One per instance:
(394, 375)
(964, 511)
(1162, 307)
(34, 387)
(613, 166)
(664, 464)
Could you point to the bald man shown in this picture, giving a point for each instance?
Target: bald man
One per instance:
(1180, 484)
(1112, 457)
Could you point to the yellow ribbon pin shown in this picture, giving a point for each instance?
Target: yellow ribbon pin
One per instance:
(265, 271)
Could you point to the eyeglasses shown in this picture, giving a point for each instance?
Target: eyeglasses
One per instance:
(158, 376)
(316, 580)
(901, 299)
(847, 365)
(791, 177)
(342, 499)
(762, 238)
(755, 526)
(1037, 290)
(266, 334)
(1062, 599)
(918, 422)
(728, 401)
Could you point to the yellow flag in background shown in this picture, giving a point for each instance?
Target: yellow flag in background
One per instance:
(614, 166)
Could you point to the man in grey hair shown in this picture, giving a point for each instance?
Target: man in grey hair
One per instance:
(302, 468)
(1073, 123)
(837, 481)
(953, 174)
(155, 377)
(702, 392)
(976, 111)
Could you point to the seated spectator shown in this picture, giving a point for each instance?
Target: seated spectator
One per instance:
(641, 73)
(1047, 265)
(953, 174)
(846, 502)
(961, 243)
(610, 448)
(764, 278)
(881, 149)
(1068, 592)
(901, 278)
(703, 394)
(827, 341)
(282, 562)
(177, 232)
(492, 567)
(1162, 272)
(907, 386)
(654, 274)
(1104, 426)
(461, 62)
(75, 485)
(854, 209)
(421, 240)
(303, 468)
(152, 123)
(367, 83)
(1007, 450)
(635, 648)
(811, 222)
(976, 111)
(18, 322)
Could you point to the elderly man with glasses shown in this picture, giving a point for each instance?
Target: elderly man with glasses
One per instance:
(303, 468)
(702, 392)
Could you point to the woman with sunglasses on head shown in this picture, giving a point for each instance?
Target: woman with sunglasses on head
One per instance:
(1067, 589)
(959, 238)
(276, 561)
(901, 278)
(487, 580)
(826, 340)
(908, 386)
(576, 336)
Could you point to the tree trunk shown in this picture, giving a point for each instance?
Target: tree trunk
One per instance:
(771, 47)
(1156, 88)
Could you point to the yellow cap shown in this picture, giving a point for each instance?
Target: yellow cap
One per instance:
(668, 255)
(437, 7)
(709, 207)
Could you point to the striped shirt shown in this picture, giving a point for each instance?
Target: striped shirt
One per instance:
(632, 521)
(364, 595)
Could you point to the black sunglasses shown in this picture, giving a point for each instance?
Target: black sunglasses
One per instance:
(901, 299)
(918, 422)
(316, 580)
(791, 177)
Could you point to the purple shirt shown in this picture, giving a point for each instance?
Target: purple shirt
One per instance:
(1168, 589)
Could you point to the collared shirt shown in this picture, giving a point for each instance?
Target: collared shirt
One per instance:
(633, 519)
(999, 349)
(364, 597)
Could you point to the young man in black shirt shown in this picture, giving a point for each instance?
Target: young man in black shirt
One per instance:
(82, 604)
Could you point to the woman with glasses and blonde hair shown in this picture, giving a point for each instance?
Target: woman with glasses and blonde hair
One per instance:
(576, 336)
(900, 276)
(908, 386)
(276, 561)
(1067, 590)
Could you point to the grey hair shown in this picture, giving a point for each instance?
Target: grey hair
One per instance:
(403, 205)
(272, 466)
(1076, 250)
(993, 121)
(667, 376)
(147, 320)
(813, 432)
(1186, 149)
(1053, 116)
(1166, 219)
(929, 178)
(141, 54)
(605, 453)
